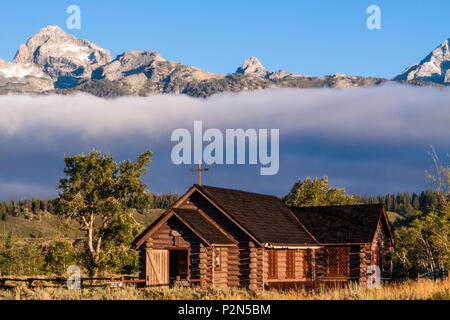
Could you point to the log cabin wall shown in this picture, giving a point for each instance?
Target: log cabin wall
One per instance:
(233, 266)
(355, 262)
(260, 263)
(206, 266)
(365, 262)
(238, 257)
(166, 238)
(377, 252)
(143, 259)
(221, 273)
(320, 263)
(239, 261)
(381, 252)
(256, 267)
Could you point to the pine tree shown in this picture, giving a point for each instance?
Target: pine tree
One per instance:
(3, 207)
(11, 207)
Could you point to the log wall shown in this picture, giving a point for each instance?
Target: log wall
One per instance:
(221, 275)
(369, 252)
(238, 260)
(164, 238)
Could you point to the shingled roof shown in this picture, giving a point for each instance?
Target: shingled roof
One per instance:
(203, 227)
(269, 221)
(265, 217)
(341, 224)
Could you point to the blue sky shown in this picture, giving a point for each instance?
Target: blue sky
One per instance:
(309, 37)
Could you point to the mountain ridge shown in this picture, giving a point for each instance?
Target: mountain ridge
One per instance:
(53, 61)
(435, 67)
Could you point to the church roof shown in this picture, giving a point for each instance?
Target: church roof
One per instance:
(265, 217)
(203, 226)
(342, 224)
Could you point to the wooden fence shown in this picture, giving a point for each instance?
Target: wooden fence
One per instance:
(6, 283)
(435, 275)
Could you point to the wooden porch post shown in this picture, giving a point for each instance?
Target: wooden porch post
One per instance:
(313, 273)
(213, 264)
(263, 251)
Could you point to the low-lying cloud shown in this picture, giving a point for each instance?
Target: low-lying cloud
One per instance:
(341, 133)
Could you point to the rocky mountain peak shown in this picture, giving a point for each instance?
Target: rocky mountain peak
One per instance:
(50, 33)
(252, 66)
(435, 67)
(51, 30)
(129, 63)
(53, 59)
(152, 55)
(58, 56)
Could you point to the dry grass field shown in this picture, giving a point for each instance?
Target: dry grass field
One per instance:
(410, 290)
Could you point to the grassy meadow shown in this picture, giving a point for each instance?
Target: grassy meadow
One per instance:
(409, 290)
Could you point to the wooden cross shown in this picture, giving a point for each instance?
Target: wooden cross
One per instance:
(199, 172)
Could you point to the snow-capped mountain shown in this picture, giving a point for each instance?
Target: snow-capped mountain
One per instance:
(53, 61)
(434, 68)
(55, 56)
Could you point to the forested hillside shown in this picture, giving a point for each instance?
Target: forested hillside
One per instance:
(405, 203)
(38, 218)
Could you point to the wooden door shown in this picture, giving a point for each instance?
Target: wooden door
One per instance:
(157, 268)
